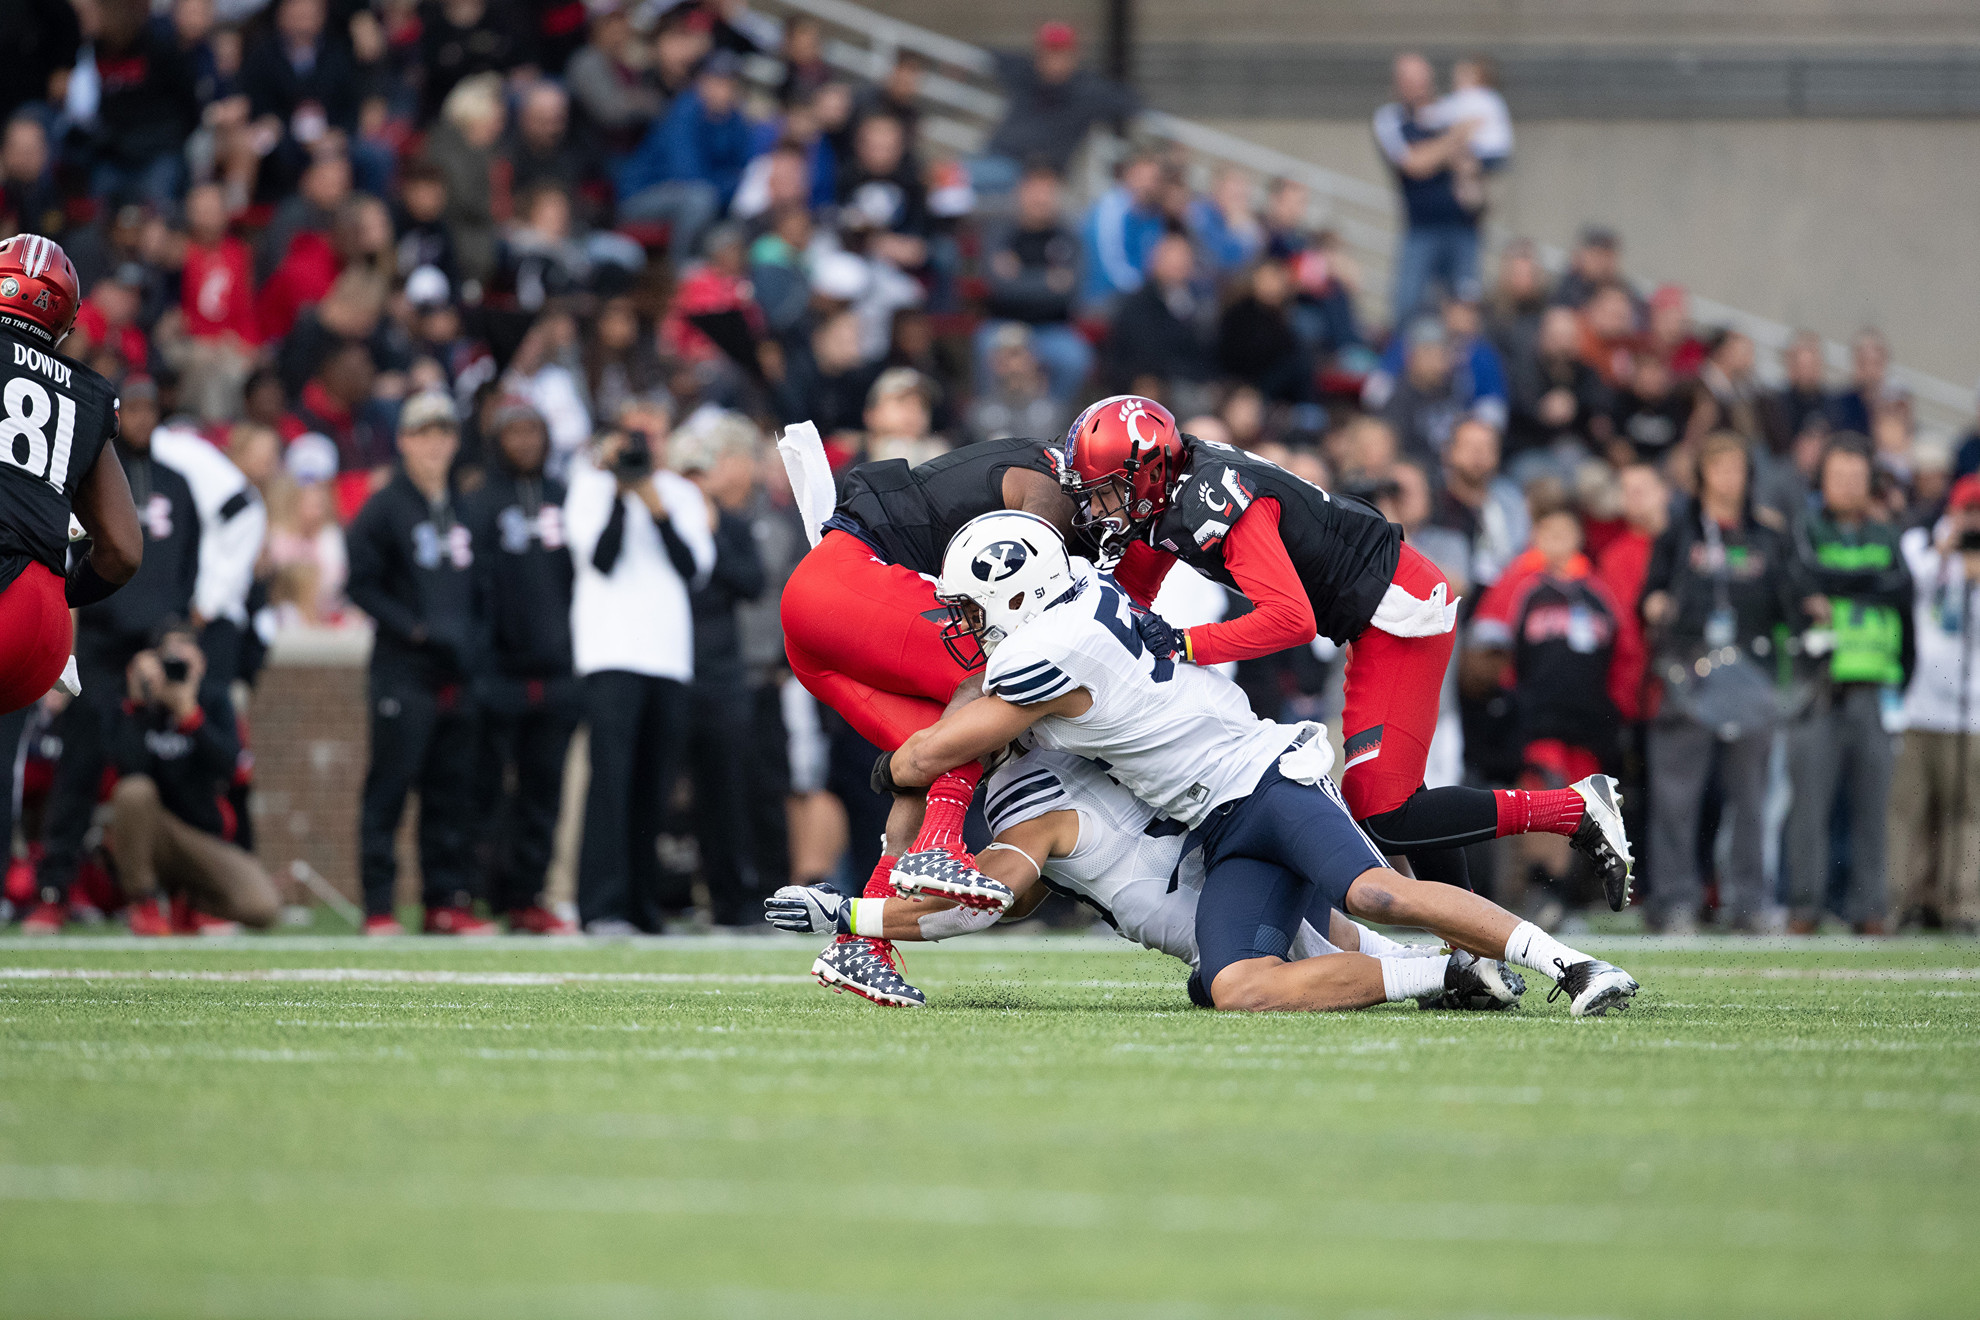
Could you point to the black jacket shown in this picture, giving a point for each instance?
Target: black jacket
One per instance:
(274, 87)
(738, 577)
(523, 574)
(191, 762)
(113, 630)
(1764, 581)
(1150, 339)
(412, 571)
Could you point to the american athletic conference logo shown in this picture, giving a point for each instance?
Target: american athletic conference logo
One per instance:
(998, 560)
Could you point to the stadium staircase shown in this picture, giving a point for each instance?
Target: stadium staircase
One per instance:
(962, 105)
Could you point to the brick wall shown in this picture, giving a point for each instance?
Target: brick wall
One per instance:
(310, 741)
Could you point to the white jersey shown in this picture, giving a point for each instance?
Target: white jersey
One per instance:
(1130, 864)
(1180, 738)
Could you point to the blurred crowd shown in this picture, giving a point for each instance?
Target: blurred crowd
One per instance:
(467, 322)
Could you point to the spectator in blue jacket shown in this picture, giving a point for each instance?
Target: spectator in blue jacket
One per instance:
(1121, 229)
(686, 170)
(1478, 373)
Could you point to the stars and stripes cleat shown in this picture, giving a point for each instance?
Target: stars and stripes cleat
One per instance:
(1592, 987)
(869, 968)
(1479, 985)
(1602, 839)
(938, 873)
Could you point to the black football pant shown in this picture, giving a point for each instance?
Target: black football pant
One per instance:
(422, 738)
(526, 732)
(638, 728)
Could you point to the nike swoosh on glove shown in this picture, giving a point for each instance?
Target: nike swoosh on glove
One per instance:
(809, 911)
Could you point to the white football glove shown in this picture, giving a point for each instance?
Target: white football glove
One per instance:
(809, 910)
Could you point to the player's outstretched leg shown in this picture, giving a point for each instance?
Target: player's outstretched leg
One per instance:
(1469, 921)
(868, 969)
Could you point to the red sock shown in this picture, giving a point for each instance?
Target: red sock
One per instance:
(948, 803)
(880, 884)
(1542, 811)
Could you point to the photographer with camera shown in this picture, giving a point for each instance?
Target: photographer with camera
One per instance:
(412, 571)
(175, 757)
(1935, 821)
(642, 541)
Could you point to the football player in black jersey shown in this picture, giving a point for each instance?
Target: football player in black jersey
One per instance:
(55, 460)
(863, 630)
(1313, 564)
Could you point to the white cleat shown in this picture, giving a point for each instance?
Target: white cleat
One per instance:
(1593, 987)
(1602, 839)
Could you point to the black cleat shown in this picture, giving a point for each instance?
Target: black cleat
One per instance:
(1602, 839)
(1478, 985)
(1592, 987)
(866, 967)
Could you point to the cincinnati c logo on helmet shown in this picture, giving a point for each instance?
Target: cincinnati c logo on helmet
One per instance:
(994, 563)
(1132, 413)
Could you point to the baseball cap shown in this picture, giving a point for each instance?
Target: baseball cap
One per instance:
(1965, 494)
(428, 408)
(513, 410)
(312, 458)
(1057, 35)
(427, 288)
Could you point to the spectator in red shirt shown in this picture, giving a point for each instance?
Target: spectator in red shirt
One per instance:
(719, 284)
(1622, 566)
(1551, 638)
(337, 402)
(215, 348)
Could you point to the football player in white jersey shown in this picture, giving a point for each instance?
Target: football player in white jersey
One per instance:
(1061, 824)
(1068, 669)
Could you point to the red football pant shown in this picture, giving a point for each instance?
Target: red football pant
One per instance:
(1389, 711)
(865, 638)
(35, 637)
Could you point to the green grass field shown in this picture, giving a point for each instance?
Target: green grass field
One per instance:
(320, 1128)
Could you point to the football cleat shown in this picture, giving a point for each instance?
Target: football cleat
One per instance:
(868, 968)
(1592, 987)
(458, 921)
(937, 873)
(45, 919)
(539, 920)
(1474, 984)
(383, 925)
(150, 919)
(1602, 839)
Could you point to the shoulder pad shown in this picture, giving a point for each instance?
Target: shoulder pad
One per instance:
(1209, 500)
(1026, 670)
(1024, 790)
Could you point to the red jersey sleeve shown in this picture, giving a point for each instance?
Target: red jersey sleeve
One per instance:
(1142, 571)
(1281, 616)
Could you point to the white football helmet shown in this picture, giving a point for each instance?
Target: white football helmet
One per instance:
(1001, 570)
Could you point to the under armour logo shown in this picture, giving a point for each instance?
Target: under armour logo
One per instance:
(994, 563)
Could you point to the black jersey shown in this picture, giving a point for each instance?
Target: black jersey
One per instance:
(57, 416)
(909, 514)
(1344, 550)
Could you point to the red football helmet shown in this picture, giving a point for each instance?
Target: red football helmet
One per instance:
(38, 288)
(1122, 459)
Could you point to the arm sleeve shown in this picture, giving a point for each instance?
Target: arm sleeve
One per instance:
(369, 543)
(1141, 572)
(612, 538)
(1281, 615)
(678, 553)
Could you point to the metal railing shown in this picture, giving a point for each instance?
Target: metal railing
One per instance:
(962, 110)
